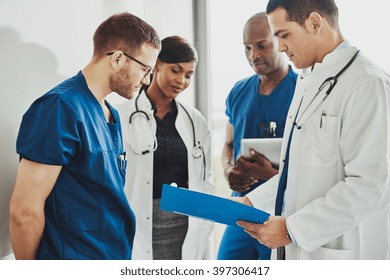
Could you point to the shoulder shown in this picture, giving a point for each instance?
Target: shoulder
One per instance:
(245, 82)
(368, 69)
(362, 84)
(194, 113)
(292, 75)
(242, 87)
(54, 100)
(365, 74)
(125, 107)
(290, 80)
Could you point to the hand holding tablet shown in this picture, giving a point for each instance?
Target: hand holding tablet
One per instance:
(270, 147)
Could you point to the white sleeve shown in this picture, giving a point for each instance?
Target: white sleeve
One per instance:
(263, 197)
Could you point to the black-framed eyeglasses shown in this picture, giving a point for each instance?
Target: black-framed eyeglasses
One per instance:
(149, 70)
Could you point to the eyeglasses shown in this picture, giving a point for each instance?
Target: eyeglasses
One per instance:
(149, 70)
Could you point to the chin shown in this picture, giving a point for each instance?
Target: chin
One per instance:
(261, 72)
(302, 65)
(132, 94)
(128, 94)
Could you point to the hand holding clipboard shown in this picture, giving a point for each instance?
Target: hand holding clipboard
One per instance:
(208, 207)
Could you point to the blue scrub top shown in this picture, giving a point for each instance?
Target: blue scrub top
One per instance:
(87, 215)
(250, 113)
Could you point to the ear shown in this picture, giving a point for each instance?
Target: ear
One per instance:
(158, 65)
(314, 23)
(117, 60)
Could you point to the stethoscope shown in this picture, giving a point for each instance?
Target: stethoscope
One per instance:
(331, 81)
(197, 149)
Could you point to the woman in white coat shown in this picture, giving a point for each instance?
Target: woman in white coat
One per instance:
(337, 197)
(166, 142)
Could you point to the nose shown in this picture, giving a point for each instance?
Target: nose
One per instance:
(146, 80)
(181, 79)
(281, 46)
(254, 53)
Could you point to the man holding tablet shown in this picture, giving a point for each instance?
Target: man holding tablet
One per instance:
(257, 108)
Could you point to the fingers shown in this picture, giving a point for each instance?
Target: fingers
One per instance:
(256, 161)
(240, 185)
(273, 233)
(241, 199)
(252, 227)
(256, 231)
(259, 157)
(240, 182)
(241, 161)
(240, 188)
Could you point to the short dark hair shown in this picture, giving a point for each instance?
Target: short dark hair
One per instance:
(299, 10)
(126, 32)
(176, 49)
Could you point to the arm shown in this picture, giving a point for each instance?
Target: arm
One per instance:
(34, 182)
(227, 151)
(233, 174)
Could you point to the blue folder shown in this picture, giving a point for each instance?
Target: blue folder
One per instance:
(208, 207)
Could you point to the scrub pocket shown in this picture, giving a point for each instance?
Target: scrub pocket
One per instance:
(97, 235)
(122, 164)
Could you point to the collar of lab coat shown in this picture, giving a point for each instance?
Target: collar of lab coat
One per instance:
(144, 102)
(336, 56)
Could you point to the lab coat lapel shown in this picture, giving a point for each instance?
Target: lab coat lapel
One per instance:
(313, 98)
(184, 126)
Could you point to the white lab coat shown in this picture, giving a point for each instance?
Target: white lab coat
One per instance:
(337, 200)
(139, 180)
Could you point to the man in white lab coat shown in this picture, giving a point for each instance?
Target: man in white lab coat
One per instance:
(336, 163)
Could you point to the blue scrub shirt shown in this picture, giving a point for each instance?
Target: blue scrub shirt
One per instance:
(250, 113)
(87, 215)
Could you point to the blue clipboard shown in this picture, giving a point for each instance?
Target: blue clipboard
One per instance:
(208, 207)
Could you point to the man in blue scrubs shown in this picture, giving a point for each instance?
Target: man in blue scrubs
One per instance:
(68, 201)
(257, 108)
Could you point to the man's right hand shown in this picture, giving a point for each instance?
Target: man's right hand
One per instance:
(237, 180)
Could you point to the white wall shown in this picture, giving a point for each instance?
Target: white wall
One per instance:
(43, 42)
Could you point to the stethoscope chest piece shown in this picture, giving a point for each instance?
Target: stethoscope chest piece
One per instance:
(197, 151)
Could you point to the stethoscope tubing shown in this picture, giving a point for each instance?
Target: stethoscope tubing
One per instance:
(333, 81)
(196, 149)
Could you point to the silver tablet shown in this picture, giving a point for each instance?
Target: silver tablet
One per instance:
(270, 147)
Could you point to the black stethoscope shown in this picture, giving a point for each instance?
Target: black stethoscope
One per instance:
(197, 149)
(332, 81)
